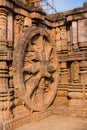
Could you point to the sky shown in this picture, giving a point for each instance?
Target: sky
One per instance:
(64, 5)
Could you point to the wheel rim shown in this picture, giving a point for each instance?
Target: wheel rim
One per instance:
(35, 69)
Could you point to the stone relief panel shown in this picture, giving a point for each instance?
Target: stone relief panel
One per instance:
(18, 25)
(82, 30)
(75, 71)
(63, 33)
(63, 38)
(35, 69)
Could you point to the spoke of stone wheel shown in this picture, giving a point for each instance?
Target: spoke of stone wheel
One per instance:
(40, 92)
(43, 49)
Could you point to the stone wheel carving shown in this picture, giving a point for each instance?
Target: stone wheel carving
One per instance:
(35, 69)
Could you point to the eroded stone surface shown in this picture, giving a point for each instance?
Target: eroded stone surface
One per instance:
(43, 62)
(57, 122)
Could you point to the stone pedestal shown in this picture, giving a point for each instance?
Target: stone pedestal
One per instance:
(75, 95)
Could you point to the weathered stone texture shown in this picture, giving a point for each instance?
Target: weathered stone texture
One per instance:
(43, 62)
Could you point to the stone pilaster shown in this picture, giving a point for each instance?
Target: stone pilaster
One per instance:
(58, 42)
(63, 85)
(75, 35)
(77, 87)
(10, 30)
(75, 72)
(5, 103)
(69, 37)
(82, 34)
(83, 77)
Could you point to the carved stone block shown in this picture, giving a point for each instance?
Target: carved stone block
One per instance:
(43, 62)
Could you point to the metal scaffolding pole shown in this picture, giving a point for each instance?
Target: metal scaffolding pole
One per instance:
(48, 7)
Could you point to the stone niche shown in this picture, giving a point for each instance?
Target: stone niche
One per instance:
(43, 62)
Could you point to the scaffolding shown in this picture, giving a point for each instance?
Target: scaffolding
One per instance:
(48, 6)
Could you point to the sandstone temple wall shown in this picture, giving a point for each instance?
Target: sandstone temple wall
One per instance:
(51, 48)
